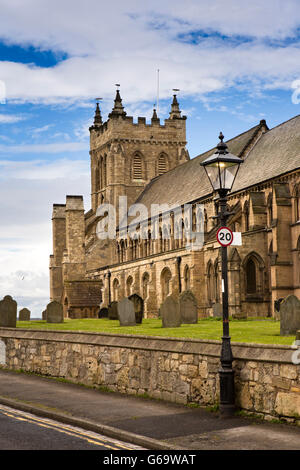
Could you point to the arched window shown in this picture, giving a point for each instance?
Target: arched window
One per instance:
(104, 172)
(149, 250)
(97, 179)
(101, 172)
(116, 287)
(145, 285)
(296, 197)
(166, 277)
(270, 209)
(160, 239)
(205, 221)
(118, 253)
(210, 283)
(216, 281)
(162, 164)
(122, 251)
(250, 277)
(129, 284)
(246, 216)
(137, 169)
(186, 277)
(166, 237)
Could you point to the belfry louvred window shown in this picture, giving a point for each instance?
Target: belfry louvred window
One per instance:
(162, 164)
(137, 167)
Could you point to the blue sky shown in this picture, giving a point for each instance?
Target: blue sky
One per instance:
(234, 66)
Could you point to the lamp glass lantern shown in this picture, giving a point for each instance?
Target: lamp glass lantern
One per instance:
(222, 167)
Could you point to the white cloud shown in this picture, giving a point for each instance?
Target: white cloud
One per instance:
(39, 130)
(126, 42)
(27, 191)
(10, 118)
(57, 147)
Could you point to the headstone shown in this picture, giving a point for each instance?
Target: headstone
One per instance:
(113, 311)
(170, 312)
(289, 315)
(126, 313)
(138, 304)
(8, 312)
(44, 315)
(55, 313)
(217, 310)
(103, 312)
(188, 307)
(24, 314)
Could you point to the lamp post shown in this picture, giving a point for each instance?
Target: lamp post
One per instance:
(221, 169)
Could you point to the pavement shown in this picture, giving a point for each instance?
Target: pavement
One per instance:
(149, 423)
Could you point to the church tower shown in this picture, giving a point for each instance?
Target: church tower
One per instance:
(126, 155)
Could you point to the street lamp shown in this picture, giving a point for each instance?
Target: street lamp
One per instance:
(221, 169)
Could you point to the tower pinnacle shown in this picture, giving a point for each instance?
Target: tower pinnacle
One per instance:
(175, 111)
(97, 117)
(118, 109)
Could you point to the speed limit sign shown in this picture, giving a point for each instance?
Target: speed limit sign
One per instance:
(224, 236)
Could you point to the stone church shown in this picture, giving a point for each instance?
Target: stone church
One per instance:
(149, 163)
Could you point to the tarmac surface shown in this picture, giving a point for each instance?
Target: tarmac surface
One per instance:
(151, 424)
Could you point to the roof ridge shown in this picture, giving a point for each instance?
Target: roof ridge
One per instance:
(284, 122)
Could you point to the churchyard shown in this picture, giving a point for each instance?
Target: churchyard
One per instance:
(255, 330)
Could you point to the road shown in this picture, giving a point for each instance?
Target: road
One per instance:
(24, 431)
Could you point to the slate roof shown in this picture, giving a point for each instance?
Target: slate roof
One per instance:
(275, 153)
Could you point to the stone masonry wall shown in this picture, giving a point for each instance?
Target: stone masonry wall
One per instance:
(177, 370)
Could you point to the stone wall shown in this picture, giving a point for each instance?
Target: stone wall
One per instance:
(172, 369)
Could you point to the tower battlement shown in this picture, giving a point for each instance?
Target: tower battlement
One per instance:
(119, 125)
(126, 153)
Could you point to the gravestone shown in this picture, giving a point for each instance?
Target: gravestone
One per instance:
(289, 315)
(217, 310)
(44, 315)
(188, 307)
(8, 312)
(138, 304)
(170, 312)
(126, 313)
(24, 314)
(55, 313)
(113, 311)
(103, 312)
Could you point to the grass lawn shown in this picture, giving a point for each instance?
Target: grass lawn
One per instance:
(264, 331)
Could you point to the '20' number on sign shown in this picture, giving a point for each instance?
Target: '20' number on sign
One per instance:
(224, 236)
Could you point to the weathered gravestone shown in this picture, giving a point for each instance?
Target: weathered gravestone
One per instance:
(55, 313)
(103, 312)
(289, 315)
(126, 313)
(44, 315)
(170, 312)
(113, 311)
(277, 308)
(217, 310)
(138, 304)
(188, 307)
(8, 312)
(24, 314)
